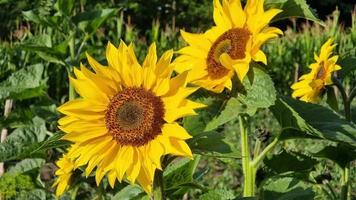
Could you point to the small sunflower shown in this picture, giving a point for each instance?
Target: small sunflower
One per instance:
(64, 173)
(124, 121)
(227, 48)
(311, 85)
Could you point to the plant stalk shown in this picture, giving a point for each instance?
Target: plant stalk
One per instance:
(158, 186)
(345, 178)
(248, 171)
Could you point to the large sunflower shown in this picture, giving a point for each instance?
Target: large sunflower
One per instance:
(311, 85)
(125, 119)
(227, 48)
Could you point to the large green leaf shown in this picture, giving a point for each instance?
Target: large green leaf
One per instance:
(231, 111)
(314, 120)
(90, 21)
(127, 193)
(23, 84)
(217, 195)
(196, 125)
(292, 8)
(292, 161)
(23, 141)
(65, 6)
(259, 91)
(178, 174)
(27, 165)
(214, 144)
(340, 154)
(348, 65)
(287, 189)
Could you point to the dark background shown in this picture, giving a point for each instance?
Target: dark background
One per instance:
(189, 14)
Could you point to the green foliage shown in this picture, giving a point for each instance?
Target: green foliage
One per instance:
(179, 174)
(27, 165)
(340, 154)
(231, 111)
(45, 38)
(292, 8)
(13, 184)
(260, 91)
(297, 115)
(287, 189)
(127, 193)
(292, 162)
(90, 21)
(23, 84)
(217, 195)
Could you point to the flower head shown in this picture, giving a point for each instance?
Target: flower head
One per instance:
(64, 173)
(310, 86)
(227, 48)
(124, 121)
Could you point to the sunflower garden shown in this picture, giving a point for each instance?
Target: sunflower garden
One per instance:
(210, 100)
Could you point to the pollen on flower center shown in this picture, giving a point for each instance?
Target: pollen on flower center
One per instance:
(134, 116)
(232, 42)
(321, 71)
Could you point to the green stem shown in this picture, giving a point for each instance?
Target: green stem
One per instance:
(74, 192)
(249, 173)
(257, 161)
(158, 186)
(257, 149)
(345, 182)
(345, 186)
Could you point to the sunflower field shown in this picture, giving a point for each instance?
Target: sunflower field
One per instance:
(178, 99)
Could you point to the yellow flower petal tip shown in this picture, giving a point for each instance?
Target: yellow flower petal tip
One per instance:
(124, 120)
(237, 38)
(310, 86)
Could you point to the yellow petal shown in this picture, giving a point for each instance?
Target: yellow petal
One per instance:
(134, 169)
(176, 131)
(260, 57)
(197, 40)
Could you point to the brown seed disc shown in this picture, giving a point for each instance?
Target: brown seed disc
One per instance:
(321, 71)
(135, 116)
(232, 42)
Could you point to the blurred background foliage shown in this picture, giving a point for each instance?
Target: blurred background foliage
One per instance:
(45, 38)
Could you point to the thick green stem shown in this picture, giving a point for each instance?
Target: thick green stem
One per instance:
(345, 186)
(249, 181)
(158, 186)
(345, 182)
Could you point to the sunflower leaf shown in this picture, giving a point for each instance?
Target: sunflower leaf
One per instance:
(259, 91)
(217, 194)
(292, 8)
(314, 120)
(90, 21)
(27, 165)
(23, 84)
(347, 66)
(287, 188)
(340, 154)
(231, 111)
(292, 161)
(179, 173)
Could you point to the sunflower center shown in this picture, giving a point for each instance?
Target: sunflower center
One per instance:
(321, 71)
(232, 42)
(134, 116)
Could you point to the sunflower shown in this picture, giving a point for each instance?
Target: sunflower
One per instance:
(311, 85)
(64, 173)
(215, 56)
(124, 121)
